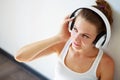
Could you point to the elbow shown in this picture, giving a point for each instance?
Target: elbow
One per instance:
(21, 56)
(18, 58)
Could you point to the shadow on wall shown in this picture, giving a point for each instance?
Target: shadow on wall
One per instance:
(114, 47)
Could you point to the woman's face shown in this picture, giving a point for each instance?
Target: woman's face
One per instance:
(83, 34)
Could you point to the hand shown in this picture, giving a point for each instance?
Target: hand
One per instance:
(64, 32)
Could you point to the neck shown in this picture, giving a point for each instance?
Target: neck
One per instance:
(85, 52)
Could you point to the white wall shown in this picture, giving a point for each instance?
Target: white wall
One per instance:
(26, 21)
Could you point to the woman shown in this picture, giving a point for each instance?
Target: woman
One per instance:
(78, 57)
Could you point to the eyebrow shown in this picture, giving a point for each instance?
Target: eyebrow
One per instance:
(87, 34)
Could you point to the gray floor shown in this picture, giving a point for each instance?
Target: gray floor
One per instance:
(12, 71)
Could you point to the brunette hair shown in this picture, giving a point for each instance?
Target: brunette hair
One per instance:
(94, 18)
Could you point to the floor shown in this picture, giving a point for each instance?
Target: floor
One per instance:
(11, 70)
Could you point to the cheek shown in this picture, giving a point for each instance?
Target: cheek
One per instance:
(84, 42)
(87, 42)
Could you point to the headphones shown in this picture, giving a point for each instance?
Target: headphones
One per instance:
(103, 38)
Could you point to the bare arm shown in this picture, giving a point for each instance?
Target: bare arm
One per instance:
(28, 52)
(44, 47)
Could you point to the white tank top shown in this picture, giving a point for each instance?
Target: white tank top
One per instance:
(62, 72)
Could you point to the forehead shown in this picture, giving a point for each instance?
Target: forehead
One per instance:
(85, 26)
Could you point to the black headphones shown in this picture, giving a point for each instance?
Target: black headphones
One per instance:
(103, 38)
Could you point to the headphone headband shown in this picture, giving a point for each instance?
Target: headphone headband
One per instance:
(103, 17)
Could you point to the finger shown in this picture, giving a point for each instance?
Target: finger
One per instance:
(67, 17)
(70, 19)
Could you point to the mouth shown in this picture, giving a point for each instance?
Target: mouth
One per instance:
(76, 44)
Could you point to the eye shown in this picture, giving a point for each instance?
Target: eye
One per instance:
(85, 36)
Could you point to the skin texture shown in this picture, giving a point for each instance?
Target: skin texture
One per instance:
(82, 48)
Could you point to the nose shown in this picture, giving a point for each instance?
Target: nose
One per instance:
(77, 38)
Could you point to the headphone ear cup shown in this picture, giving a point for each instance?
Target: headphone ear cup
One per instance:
(71, 24)
(100, 42)
(100, 39)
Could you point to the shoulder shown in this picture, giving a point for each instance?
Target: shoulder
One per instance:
(58, 47)
(107, 67)
(107, 60)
